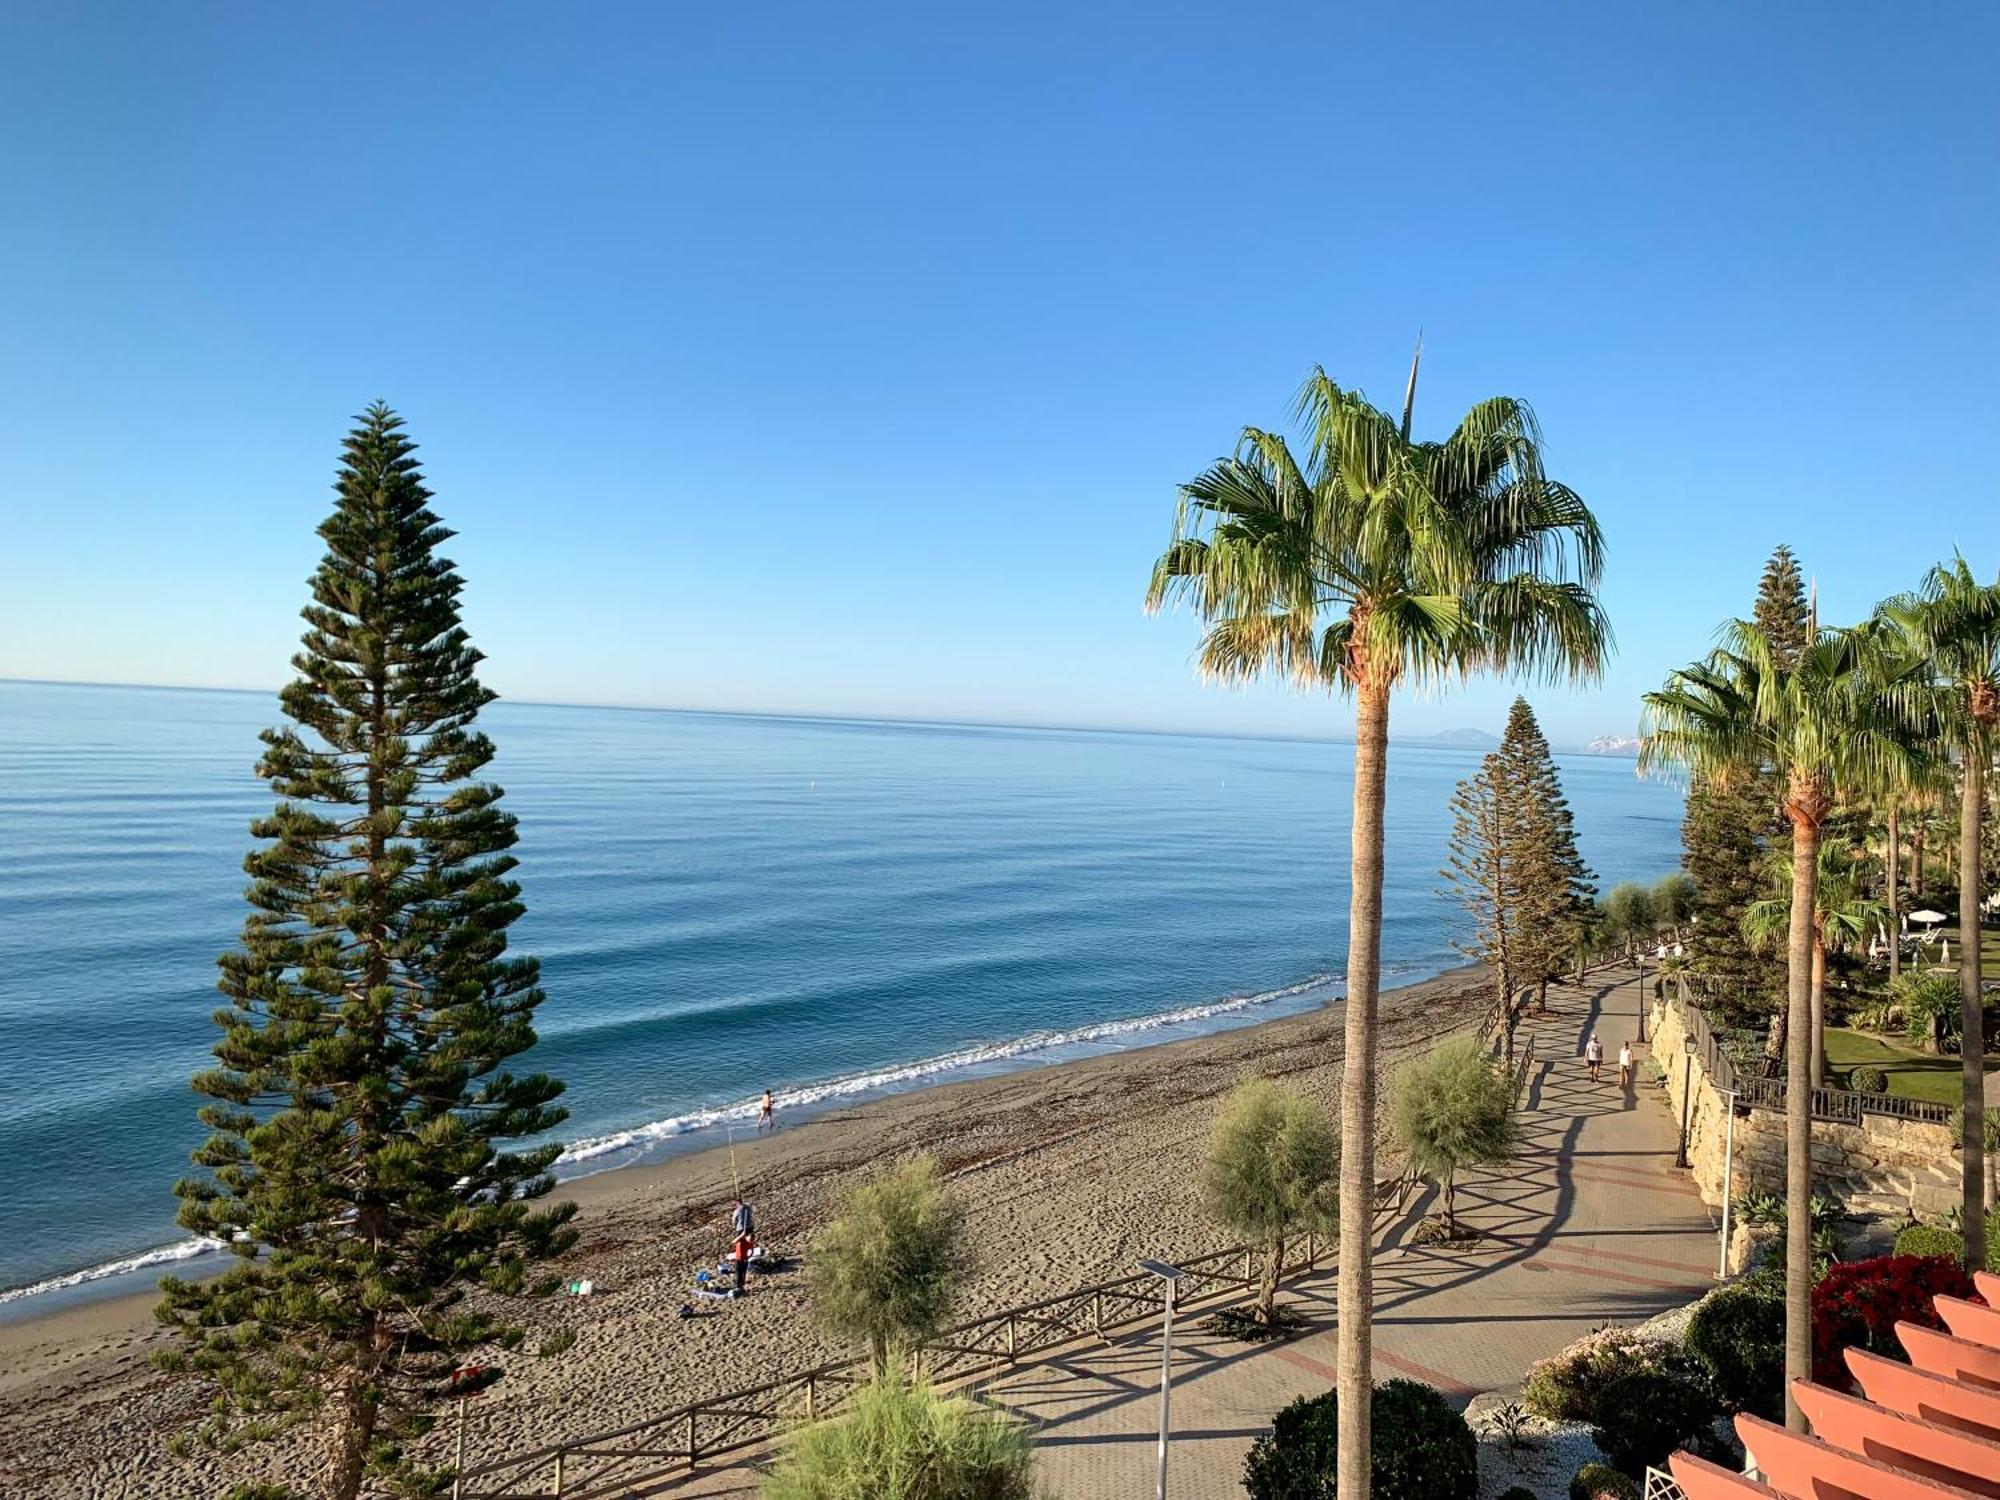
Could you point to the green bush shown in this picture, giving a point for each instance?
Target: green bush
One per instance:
(899, 1440)
(1564, 1387)
(886, 1271)
(1640, 1419)
(1939, 1239)
(1738, 1337)
(1602, 1482)
(1868, 1079)
(1420, 1448)
(1273, 1171)
(1931, 1009)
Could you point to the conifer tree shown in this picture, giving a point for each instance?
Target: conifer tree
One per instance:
(1554, 888)
(1479, 875)
(1729, 831)
(357, 1163)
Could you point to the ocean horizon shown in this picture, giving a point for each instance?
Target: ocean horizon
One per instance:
(834, 908)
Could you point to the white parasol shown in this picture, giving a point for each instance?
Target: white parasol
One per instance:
(1927, 917)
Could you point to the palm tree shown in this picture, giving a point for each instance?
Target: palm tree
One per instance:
(1843, 917)
(1376, 562)
(1954, 621)
(1822, 720)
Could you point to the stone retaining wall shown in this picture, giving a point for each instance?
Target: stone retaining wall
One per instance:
(1911, 1162)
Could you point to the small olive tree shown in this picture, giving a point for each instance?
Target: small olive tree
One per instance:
(1272, 1172)
(886, 1271)
(900, 1440)
(1454, 1109)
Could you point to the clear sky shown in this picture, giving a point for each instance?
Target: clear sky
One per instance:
(845, 358)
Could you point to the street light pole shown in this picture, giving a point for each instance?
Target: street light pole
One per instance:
(1687, 1097)
(1169, 1275)
(1728, 1179)
(1642, 994)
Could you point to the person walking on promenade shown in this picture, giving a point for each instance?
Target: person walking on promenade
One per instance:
(1624, 1065)
(1593, 1055)
(766, 1118)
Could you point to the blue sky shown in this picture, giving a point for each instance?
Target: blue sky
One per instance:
(846, 358)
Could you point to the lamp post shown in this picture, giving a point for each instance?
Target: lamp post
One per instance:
(1168, 1275)
(1687, 1096)
(1642, 994)
(1728, 1179)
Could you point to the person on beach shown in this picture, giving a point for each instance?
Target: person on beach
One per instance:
(1624, 1065)
(743, 1219)
(1593, 1055)
(740, 1253)
(766, 1120)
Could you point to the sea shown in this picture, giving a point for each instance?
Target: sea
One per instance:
(832, 909)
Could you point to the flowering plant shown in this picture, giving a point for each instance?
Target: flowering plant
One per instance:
(1858, 1303)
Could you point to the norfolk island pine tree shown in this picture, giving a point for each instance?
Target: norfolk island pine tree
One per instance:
(1378, 562)
(358, 1113)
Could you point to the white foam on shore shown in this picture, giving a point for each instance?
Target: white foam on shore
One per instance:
(879, 1080)
(163, 1255)
(926, 1069)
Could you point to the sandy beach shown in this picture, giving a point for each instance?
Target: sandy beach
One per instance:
(1067, 1174)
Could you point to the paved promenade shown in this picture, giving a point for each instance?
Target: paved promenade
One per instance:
(1591, 1224)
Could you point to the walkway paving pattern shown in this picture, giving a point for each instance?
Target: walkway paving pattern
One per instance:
(1592, 1224)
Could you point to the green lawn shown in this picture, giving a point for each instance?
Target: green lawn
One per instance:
(1913, 1075)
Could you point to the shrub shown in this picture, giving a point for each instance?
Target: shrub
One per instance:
(1602, 1482)
(1858, 1304)
(1868, 1079)
(884, 1273)
(1454, 1109)
(1640, 1419)
(1272, 1171)
(1565, 1386)
(1738, 1336)
(900, 1439)
(1420, 1448)
(1947, 1241)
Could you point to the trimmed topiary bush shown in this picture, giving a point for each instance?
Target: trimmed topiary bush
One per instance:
(1565, 1386)
(1639, 1419)
(1420, 1448)
(1602, 1482)
(1868, 1079)
(1931, 1239)
(1858, 1303)
(1738, 1337)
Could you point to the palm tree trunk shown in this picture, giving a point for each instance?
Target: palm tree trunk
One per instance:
(1818, 1011)
(1354, 1361)
(1798, 1114)
(1895, 874)
(1972, 1045)
(1917, 861)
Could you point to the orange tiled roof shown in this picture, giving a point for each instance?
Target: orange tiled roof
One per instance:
(1928, 1430)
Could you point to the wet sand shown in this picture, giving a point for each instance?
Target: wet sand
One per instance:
(1067, 1174)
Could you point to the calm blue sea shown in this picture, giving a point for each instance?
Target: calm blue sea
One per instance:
(721, 903)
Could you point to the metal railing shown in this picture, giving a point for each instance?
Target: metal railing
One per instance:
(657, 1449)
(1660, 1485)
(1839, 1106)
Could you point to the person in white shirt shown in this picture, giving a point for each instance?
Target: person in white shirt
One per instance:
(1624, 1065)
(1593, 1055)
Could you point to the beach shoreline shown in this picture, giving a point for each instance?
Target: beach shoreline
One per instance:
(1067, 1173)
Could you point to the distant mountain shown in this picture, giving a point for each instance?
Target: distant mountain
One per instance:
(1477, 739)
(1613, 744)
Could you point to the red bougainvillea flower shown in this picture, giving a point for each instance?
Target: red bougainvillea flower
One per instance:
(1857, 1304)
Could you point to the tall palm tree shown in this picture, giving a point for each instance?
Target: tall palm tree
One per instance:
(1823, 723)
(1844, 918)
(1954, 621)
(1375, 562)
